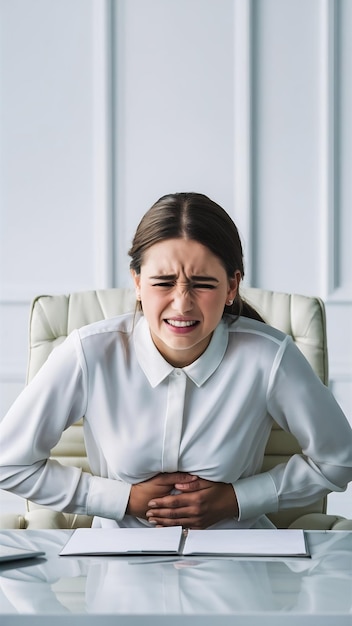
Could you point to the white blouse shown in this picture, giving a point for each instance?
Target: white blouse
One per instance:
(143, 416)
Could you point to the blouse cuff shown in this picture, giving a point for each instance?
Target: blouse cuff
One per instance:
(256, 495)
(108, 498)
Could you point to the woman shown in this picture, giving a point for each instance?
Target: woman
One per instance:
(178, 400)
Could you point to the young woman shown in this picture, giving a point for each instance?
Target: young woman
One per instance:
(178, 399)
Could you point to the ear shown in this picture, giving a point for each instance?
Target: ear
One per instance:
(137, 283)
(234, 284)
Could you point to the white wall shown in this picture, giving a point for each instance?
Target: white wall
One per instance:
(174, 97)
(106, 105)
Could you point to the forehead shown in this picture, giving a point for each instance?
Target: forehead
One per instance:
(175, 255)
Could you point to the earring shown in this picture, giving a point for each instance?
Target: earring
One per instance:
(229, 302)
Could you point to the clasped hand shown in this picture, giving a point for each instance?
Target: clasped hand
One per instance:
(197, 503)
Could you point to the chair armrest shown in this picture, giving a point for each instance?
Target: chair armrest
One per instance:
(43, 518)
(12, 520)
(46, 518)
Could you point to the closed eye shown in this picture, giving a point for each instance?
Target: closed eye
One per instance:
(203, 286)
(169, 285)
(194, 282)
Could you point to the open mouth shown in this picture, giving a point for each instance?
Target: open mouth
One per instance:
(182, 323)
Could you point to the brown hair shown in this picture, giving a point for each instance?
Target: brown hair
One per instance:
(196, 217)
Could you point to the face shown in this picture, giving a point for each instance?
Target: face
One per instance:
(183, 288)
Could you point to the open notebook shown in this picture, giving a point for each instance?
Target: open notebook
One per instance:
(173, 541)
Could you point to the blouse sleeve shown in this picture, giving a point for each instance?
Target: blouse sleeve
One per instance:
(55, 399)
(301, 404)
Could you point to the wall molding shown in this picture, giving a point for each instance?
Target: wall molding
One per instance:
(23, 295)
(340, 370)
(18, 298)
(9, 376)
(340, 376)
(328, 183)
(331, 289)
(243, 130)
(103, 121)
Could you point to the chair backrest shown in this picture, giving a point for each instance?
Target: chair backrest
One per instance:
(52, 318)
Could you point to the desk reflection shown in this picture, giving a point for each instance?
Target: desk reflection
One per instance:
(125, 585)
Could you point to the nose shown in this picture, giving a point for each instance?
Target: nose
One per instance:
(182, 299)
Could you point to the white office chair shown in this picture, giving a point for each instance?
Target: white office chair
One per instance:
(52, 318)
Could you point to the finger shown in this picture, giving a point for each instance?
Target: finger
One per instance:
(170, 519)
(182, 478)
(185, 522)
(174, 477)
(184, 511)
(171, 512)
(173, 501)
(163, 514)
(194, 485)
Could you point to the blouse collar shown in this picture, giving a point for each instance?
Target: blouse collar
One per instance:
(156, 368)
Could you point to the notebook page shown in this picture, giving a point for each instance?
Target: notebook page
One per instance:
(95, 541)
(246, 542)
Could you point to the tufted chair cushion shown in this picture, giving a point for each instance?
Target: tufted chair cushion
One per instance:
(303, 318)
(52, 318)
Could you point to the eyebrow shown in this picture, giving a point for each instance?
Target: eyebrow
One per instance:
(204, 279)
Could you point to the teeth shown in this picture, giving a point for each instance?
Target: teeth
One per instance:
(181, 324)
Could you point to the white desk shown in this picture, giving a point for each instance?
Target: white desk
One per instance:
(132, 591)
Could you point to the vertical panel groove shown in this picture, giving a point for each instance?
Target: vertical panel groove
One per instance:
(243, 120)
(330, 272)
(103, 218)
